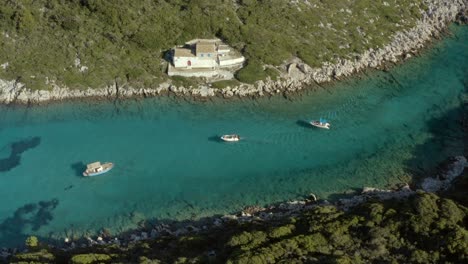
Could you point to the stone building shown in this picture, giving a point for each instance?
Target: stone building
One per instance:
(203, 57)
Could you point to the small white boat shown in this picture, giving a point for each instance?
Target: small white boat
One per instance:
(230, 138)
(96, 168)
(322, 123)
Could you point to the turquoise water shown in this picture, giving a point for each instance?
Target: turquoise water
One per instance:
(170, 165)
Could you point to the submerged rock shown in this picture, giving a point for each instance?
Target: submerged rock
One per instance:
(453, 168)
(449, 170)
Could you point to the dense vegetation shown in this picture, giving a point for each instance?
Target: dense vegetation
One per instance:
(424, 229)
(92, 43)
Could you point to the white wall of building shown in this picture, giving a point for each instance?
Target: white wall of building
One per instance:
(206, 62)
(181, 62)
(194, 73)
(231, 62)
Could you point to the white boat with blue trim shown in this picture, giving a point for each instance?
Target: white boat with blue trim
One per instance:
(96, 168)
(322, 123)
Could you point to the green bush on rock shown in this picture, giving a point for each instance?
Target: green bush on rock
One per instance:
(90, 258)
(32, 242)
(39, 256)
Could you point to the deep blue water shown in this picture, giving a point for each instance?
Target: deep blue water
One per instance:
(386, 126)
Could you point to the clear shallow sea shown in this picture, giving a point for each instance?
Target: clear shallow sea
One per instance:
(170, 165)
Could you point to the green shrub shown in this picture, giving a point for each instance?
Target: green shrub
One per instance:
(247, 240)
(32, 242)
(42, 255)
(281, 231)
(145, 260)
(90, 258)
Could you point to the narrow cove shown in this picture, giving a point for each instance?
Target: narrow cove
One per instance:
(171, 165)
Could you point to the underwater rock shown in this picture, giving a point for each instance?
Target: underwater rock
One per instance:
(450, 169)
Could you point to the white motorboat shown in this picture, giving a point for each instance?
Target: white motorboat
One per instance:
(322, 123)
(96, 168)
(230, 138)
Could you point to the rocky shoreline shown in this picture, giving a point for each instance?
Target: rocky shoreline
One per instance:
(441, 180)
(295, 75)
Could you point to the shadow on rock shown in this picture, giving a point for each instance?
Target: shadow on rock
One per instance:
(17, 148)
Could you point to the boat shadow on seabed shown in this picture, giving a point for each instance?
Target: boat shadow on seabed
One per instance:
(78, 168)
(215, 138)
(303, 124)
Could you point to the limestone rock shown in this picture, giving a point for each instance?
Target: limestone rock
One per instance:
(452, 168)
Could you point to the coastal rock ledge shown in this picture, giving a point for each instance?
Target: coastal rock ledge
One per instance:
(296, 76)
(446, 175)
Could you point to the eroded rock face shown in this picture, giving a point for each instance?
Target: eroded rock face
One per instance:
(297, 75)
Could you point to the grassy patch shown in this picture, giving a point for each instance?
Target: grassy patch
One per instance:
(254, 71)
(251, 73)
(273, 73)
(225, 83)
(186, 81)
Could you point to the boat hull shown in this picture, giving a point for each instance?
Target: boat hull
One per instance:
(319, 125)
(93, 174)
(229, 138)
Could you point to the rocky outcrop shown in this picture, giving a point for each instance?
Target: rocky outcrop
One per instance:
(295, 77)
(448, 171)
(369, 193)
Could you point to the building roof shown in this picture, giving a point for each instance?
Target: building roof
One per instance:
(205, 47)
(183, 52)
(223, 47)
